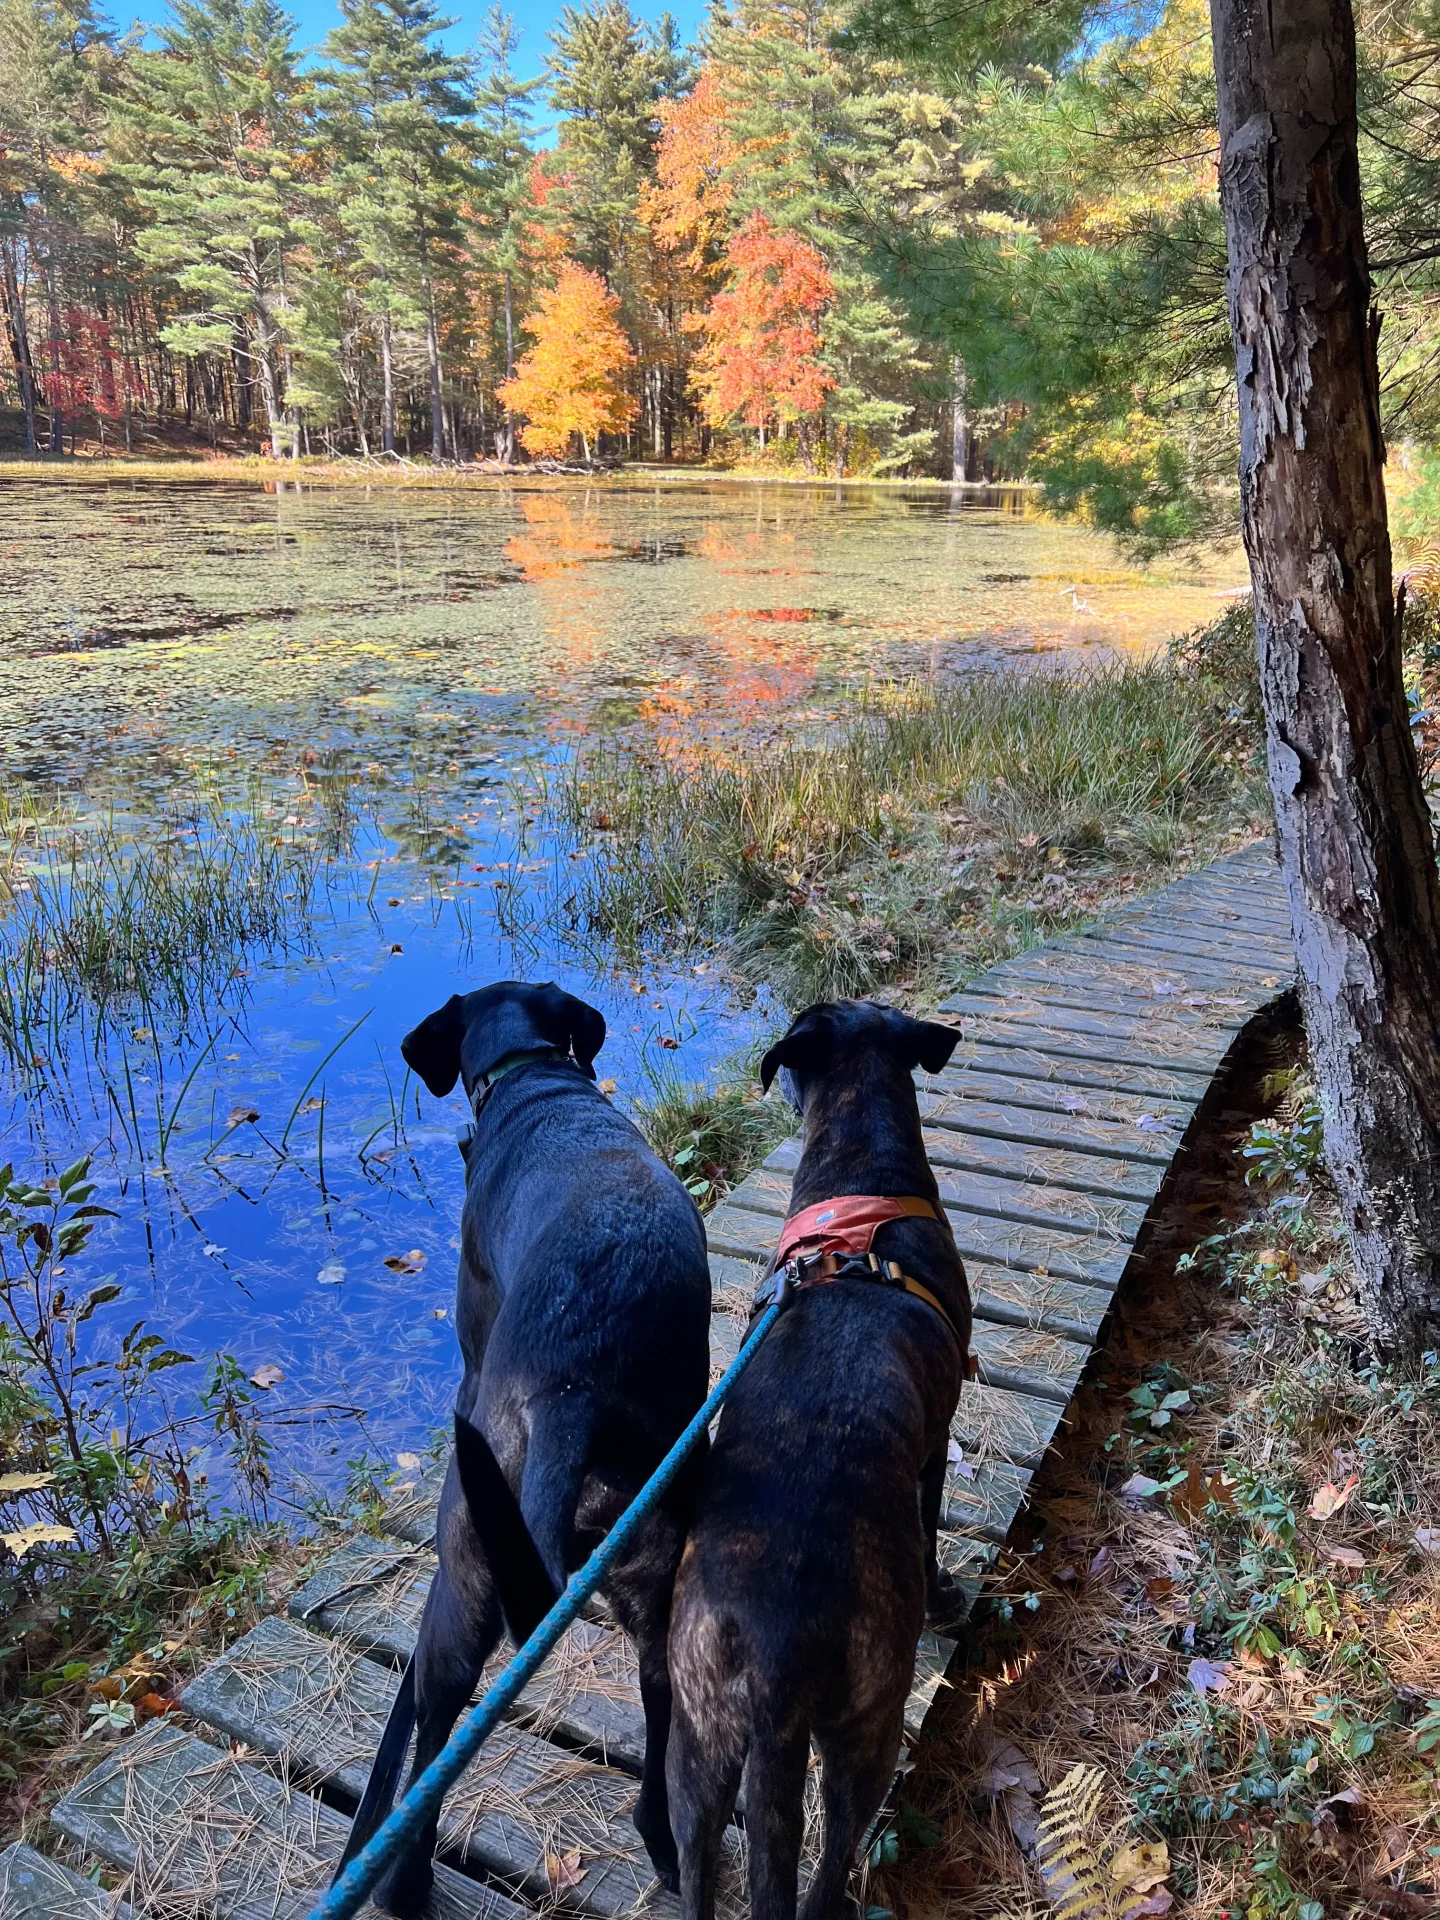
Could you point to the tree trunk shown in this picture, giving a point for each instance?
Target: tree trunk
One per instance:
(507, 441)
(387, 374)
(1356, 843)
(19, 338)
(959, 422)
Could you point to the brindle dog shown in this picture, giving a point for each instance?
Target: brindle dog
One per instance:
(583, 1314)
(806, 1576)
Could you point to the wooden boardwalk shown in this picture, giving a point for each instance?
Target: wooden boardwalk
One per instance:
(1081, 1066)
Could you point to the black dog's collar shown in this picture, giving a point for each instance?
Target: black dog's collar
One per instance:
(507, 1063)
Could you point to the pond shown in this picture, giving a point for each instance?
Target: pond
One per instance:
(292, 739)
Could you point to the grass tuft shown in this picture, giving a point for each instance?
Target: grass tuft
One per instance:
(711, 1136)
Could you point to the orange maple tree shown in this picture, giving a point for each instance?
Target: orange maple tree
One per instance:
(686, 206)
(760, 355)
(572, 380)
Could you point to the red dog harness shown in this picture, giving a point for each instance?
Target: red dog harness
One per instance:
(837, 1237)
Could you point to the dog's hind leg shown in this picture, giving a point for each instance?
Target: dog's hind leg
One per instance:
(858, 1769)
(459, 1630)
(944, 1597)
(640, 1592)
(557, 1461)
(774, 1819)
(703, 1785)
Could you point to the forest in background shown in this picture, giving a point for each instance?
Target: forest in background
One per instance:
(842, 240)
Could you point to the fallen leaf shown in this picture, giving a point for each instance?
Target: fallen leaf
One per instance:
(564, 1870)
(1138, 1488)
(1142, 1866)
(37, 1536)
(150, 1706)
(410, 1461)
(212, 1252)
(1208, 1676)
(669, 1044)
(410, 1262)
(1347, 1797)
(1152, 1123)
(395, 947)
(267, 1376)
(606, 1086)
(24, 1482)
(1160, 1589)
(1012, 1779)
(955, 1453)
(241, 1116)
(1158, 1900)
(1330, 1498)
(1427, 1539)
(1341, 1556)
(331, 1274)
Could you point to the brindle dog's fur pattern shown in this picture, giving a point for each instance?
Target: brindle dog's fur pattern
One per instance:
(583, 1315)
(806, 1577)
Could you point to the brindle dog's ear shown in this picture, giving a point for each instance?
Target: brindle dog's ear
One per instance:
(805, 1048)
(433, 1048)
(923, 1043)
(573, 1024)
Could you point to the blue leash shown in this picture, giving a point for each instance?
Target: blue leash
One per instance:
(424, 1799)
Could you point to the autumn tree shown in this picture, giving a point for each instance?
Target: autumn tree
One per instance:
(760, 359)
(572, 381)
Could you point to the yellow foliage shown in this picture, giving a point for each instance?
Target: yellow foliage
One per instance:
(572, 380)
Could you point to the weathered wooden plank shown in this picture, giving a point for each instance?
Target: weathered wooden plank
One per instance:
(1017, 1063)
(203, 1832)
(983, 1500)
(1023, 1299)
(1214, 971)
(1154, 1035)
(1190, 1007)
(320, 1710)
(1106, 1126)
(739, 1278)
(1028, 1360)
(996, 1045)
(1116, 1179)
(1168, 1018)
(587, 1695)
(35, 1887)
(993, 1423)
(1242, 958)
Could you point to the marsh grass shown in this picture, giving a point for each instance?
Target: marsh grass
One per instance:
(711, 1135)
(98, 919)
(933, 829)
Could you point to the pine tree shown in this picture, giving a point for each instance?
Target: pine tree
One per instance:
(395, 110)
(209, 139)
(502, 208)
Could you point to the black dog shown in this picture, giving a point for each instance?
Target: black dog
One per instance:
(806, 1577)
(583, 1315)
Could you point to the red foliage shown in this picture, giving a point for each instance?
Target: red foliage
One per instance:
(760, 357)
(86, 374)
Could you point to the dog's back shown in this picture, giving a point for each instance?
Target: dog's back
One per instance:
(802, 1592)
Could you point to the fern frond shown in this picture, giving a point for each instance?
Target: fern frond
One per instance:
(1070, 1867)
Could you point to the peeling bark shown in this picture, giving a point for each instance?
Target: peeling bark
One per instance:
(1356, 842)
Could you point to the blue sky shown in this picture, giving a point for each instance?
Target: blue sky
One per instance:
(533, 18)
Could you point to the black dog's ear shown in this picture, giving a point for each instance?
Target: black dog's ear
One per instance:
(804, 1049)
(574, 1025)
(923, 1043)
(433, 1048)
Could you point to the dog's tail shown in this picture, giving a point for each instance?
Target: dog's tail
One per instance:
(379, 1795)
(526, 1590)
